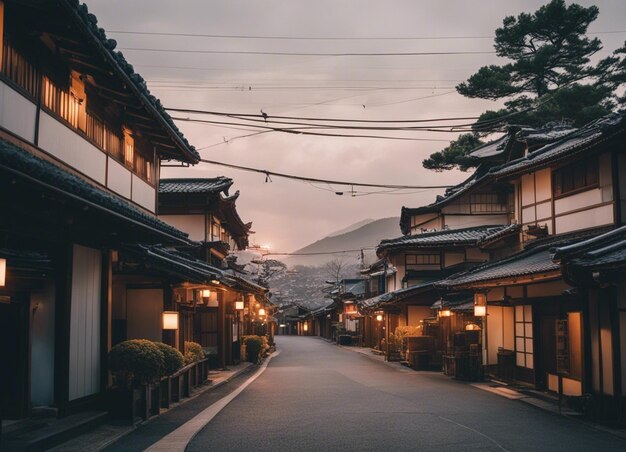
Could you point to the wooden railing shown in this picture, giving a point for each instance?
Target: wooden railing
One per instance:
(17, 69)
(172, 389)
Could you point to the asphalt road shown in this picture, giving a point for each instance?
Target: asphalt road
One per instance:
(317, 396)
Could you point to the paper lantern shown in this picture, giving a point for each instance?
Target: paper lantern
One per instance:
(170, 320)
(239, 305)
(3, 272)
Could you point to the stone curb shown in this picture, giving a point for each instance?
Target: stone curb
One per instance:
(131, 428)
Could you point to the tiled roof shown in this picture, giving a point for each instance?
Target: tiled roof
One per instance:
(606, 250)
(547, 134)
(450, 195)
(492, 149)
(195, 185)
(449, 237)
(174, 262)
(20, 161)
(562, 142)
(526, 263)
(26, 260)
(454, 301)
(126, 71)
(572, 143)
(394, 297)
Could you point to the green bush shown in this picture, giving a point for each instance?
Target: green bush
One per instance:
(193, 352)
(173, 359)
(254, 347)
(137, 361)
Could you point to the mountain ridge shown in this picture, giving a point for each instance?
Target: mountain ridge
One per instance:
(368, 235)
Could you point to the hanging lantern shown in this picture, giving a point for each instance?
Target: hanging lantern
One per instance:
(170, 320)
(261, 312)
(480, 304)
(445, 313)
(205, 293)
(239, 305)
(472, 327)
(379, 317)
(3, 272)
(306, 327)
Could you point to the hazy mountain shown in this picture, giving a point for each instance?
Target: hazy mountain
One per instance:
(355, 237)
(351, 228)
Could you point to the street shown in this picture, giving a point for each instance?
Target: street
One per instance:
(317, 396)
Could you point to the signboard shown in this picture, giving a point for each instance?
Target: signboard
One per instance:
(562, 347)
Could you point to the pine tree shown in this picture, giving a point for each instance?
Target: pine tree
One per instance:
(549, 56)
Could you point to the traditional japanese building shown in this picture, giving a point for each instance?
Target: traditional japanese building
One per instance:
(541, 328)
(204, 209)
(82, 141)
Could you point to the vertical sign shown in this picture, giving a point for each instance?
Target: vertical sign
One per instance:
(562, 347)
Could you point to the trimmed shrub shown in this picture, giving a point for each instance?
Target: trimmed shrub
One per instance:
(134, 362)
(173, 359)
(254, 347)
(193, 352)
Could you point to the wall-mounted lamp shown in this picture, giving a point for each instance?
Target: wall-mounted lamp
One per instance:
(282, 325)
(472, 327)
(261, 312)
(379, 317)
(205, 293)
(480, 304)
(215, 281)
(170, 320)
(239, 305)
(3, 272)
(305, 327)
(445, 313)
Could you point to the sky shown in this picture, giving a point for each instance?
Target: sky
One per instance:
(288, 215)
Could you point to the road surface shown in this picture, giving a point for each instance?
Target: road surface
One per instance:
(317, 396)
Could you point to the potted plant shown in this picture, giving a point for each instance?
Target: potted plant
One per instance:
(173, 361)
(254, 348)
(134, 364)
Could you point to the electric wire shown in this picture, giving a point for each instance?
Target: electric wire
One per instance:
(307, 54)
(323, 38)
(307, 131)
(269, 173)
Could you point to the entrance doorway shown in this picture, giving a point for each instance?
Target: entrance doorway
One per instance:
(14, 378)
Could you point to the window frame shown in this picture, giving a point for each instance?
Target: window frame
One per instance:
(590, 168)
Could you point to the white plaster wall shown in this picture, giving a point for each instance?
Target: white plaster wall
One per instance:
(71, 148)
(548, 289)
(528, 189)
(118, 178)
(605, 177)
(453, 259)
(578, 201)
(432, 224)
(144, 309)
(474, 254)
(191, 224)
(468, 221)
(544, 210)
(500, 331)
(586, 219)
(543, 184)
(85, 323)
(417, 313)
(528, 214)
(143, 194)
(17, 114)
(42, 346)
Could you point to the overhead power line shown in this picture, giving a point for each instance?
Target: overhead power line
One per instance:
(305, 130)
(320, 253)
(322, 38)
(320, 119)
(269, 174)
(314, 54)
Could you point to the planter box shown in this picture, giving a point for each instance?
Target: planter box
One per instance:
(127, 405)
